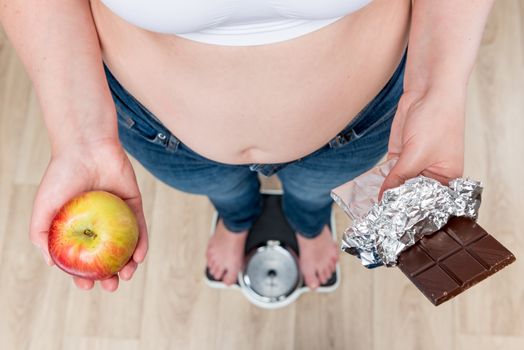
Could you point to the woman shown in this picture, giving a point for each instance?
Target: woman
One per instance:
(208, 94)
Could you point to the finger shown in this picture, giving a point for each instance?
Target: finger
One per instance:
(392, 155)
(83, 283)
(407, 166)
(130, 193)
(143, 243)
(48, 201)
(110, 284)
(395, 136)
(41, 218)
(442, 179)
(127, 271)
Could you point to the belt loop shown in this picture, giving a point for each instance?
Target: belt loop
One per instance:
(340, 140)
(255, 167)
(172, 144)
(267, 169)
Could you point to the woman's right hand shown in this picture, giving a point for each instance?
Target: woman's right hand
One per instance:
(99, 166)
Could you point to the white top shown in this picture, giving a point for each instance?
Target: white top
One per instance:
(234, 22)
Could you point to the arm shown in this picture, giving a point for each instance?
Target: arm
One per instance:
(443, 43)
(428, 130)
(58, 45)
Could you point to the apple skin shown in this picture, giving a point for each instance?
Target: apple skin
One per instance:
(93, 235)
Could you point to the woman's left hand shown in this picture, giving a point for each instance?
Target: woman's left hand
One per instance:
(427, 136)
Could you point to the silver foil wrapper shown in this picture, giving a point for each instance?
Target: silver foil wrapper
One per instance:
(421, 206)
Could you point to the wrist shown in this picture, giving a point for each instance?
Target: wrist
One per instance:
(83, 131)
(422, 82)
(449, 93)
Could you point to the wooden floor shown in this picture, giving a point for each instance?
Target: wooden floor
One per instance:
(168, 306)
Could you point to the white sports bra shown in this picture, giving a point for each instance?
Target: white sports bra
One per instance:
(234, 22)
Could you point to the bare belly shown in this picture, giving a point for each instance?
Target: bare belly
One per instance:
(258, 104)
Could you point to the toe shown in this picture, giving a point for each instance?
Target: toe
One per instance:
(333, 267)
(323, 276)
(211, 264)
(311, 280)
(217, 272)
(230, 277)
(328, 273)
(215, 268)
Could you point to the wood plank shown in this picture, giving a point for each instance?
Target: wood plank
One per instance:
(32, 295)
(14, 93)
(175, 285)
(99, 343)
(494, 138)
(34, 153)
(489, 342)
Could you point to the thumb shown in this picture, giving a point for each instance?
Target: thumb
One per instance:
(39, 228)
(405, 168)
(50, 197)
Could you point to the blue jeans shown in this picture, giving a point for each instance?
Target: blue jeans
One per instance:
(234, 189)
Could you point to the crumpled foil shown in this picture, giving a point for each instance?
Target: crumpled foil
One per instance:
(421, 206)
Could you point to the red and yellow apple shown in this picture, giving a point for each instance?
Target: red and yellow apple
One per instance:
(93, 235)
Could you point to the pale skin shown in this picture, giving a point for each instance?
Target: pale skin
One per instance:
(443, 43)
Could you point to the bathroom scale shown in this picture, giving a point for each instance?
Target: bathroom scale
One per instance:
(271, 277)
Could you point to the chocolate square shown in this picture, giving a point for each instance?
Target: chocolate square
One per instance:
(463, 267)
(451, 260)
(436, 283)
(464, 231)
(415, 260)
(489, 251)
(439, 245)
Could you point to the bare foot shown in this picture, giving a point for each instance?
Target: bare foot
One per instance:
(225, 253)
(318, 257)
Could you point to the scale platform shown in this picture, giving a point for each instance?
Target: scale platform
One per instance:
(271, 229)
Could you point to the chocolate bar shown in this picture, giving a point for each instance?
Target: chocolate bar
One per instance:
(453, 259)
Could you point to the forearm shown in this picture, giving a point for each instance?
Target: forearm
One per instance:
(443, 43)
(58, 45)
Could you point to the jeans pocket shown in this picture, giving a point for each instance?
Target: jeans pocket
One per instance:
(145, 128)
(361, 125)
(368, 124)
